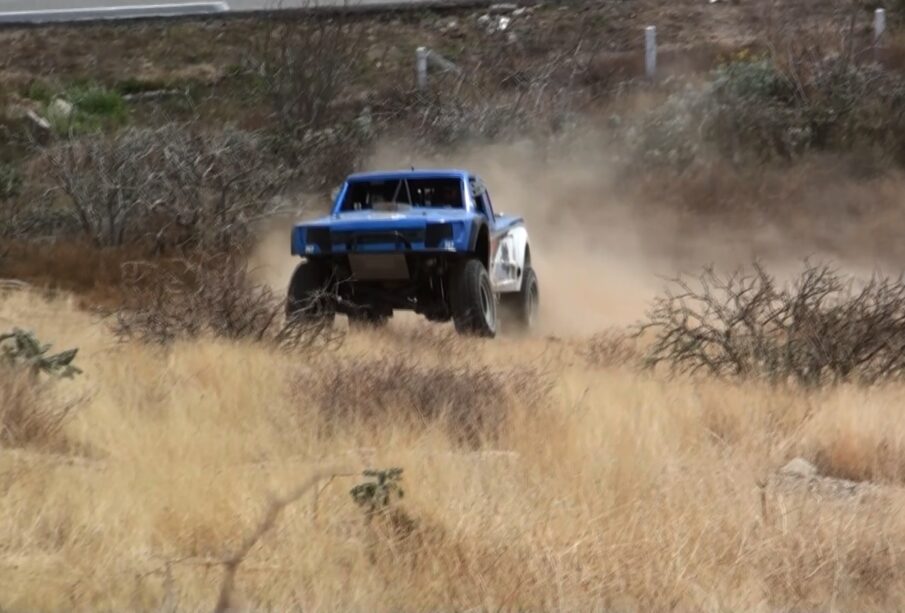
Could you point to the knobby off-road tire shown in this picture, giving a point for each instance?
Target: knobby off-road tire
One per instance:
(474, 305)
(521, 308)
(310, 296)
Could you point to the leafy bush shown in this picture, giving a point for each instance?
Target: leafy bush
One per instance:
(822, 328)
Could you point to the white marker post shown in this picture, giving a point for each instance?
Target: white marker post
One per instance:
(650, 51)
(421, 54)
(879, 24)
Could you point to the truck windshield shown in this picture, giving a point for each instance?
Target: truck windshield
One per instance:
(394, 194)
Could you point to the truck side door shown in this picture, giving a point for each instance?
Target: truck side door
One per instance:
(505, 270)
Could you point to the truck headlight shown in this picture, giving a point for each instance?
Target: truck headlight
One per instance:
(309, 249)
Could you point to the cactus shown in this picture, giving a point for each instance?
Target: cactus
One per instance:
(20, 348)
(379, 495)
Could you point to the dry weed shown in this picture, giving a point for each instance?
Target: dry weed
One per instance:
(30, 414)
(471, 404)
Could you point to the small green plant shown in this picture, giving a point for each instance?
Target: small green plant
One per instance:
(21, 349)
(99, 101)
(380, 492)
(39, 91)
(94, 108)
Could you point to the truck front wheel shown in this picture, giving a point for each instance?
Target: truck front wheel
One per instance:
(472, 300)
(311, 297)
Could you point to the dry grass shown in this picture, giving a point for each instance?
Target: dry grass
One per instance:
(30, 416)
(622, 491)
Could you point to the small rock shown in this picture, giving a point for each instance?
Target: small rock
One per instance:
(38, 121)
(519, 11)
(60, 108)
(799, 467)
(484, 19)
(503, 23)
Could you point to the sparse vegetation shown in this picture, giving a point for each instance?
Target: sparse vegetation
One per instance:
(541, 473)
(611, 455)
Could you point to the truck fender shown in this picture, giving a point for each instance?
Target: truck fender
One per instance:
(483, 251)
(508, 259)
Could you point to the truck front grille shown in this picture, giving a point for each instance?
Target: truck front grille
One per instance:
(355, 237)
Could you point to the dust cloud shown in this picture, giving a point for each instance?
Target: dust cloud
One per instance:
(603, 251)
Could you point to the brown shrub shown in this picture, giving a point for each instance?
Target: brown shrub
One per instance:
(471, 403)
(215, 296)
(96, 275)
(822, 328)
(174, 186)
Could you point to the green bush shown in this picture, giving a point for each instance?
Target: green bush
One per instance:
(98, 101)
(40, 91)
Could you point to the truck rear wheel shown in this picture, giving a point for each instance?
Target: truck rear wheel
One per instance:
(521, 308)
(472, 299)
(311, 297)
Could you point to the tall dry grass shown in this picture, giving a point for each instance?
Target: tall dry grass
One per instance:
(620, 491)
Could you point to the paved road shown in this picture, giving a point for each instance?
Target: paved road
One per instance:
(79, 9)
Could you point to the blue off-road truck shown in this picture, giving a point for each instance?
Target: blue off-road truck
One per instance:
(427, 241)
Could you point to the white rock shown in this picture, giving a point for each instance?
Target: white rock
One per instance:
(60, 108)
(799, 467)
